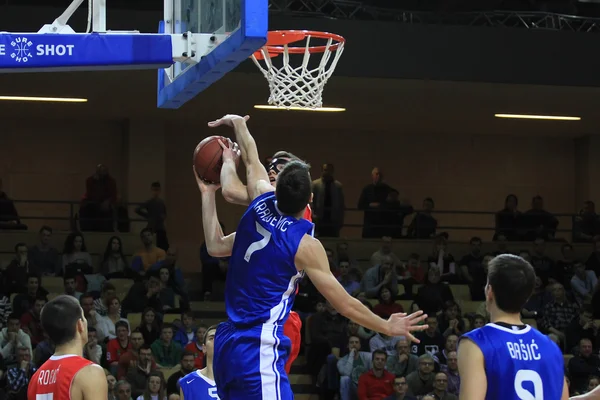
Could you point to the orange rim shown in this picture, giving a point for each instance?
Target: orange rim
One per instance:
(277, 39)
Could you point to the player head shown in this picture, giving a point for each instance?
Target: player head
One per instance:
(294, 188)
(276, 164)
(511, 280)
(208, 342)
(63, 321)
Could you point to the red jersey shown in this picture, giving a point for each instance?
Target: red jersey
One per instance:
(198, 354)
(54, 378)
(308, 213)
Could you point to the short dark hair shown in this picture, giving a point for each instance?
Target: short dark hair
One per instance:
(378, 351)
(187, 353)
(210, 328)
(20, 244)
(145, 346)
(155, 185)
(13, 317)
(475, 239)
(45, 228)
(120, 324)
(294, 187)
(512, 280)
(59, 319)
(107, 286)
(86, 296)
(145, 230)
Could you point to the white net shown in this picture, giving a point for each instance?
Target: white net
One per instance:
(299, 86)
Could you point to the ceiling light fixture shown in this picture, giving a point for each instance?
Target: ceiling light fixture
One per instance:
(320, 109)
(545, 117)
(44, 99)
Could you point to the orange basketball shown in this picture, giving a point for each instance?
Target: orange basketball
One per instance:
(208, 158)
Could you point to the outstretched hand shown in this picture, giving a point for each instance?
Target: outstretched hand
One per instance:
(231, 151)
(402, 325)
(227, 120)
(205, 187)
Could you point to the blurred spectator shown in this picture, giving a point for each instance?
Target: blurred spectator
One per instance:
(450, 321)
(351, 367)
(30, 321)
(559, 313)
(5, 310)
(415, 269)
(212, 269)
(583, 365)
(98, 206)
(440, 387)
(343, 253)
(75, 257)
(538, 222)
(349, 277)
(123, 390)
(155, 388)
(165, 350)
(451, 370)
(583, 284)
(543, 265)
(431, 341)
(382, 275)
(102, 304)
(167, 294)
(384, 251)
(371, 201)
(534, 308)
(386, 306)
(509, 220)
(471, 269)
(107, 324)
(19, 268)
(22, 302)
(71, 287)
(130, 358)
(9, 217)
(187, 366)
(143, 294)
(138, 373)
(377, 383)
(328, 203)
(423, 225)
(586, 225)
(155, 211)
(393, 212)
(582, 327)
(443, 260)
(187, 333)
(593, 261)
(18, 376)
(432, 296)
(451, 344)
(501, 245)
(92, 350)
(149, 326)
(564, 268)
(196, 347)
(86, 301)
(11, 338)
(400, 390)
(327, 331)
(111, 381)
(43, 351)
(114, 264)
(44, 256)
(118, 346)
(401, 362)
(175, 281)
(148, 255)
(420, 382)
(380, 341)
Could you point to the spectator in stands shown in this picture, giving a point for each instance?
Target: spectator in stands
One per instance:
(443, 260)
(143, 295)
(165, 350)
(420, 382)
(386, 306)
(327, 331)
(384, 251)
(583, 365)
(24, 301)
(525, 255)
(380, 341)
(393, 213)
(509, 220)
(401, 362)
(71, 286)
(349, 277)
(376, 383)
(155, 388)
(149, 327)
(583, 327)
(20, 267)
(98, 207)
(102, 304)
(351, 367)
(148, 255)
(534, 308)
(451, 321)
(593, 261)
(440, 387)
(564, 268)
(542, 264)
(471, 269)
(89, 311)
(92, 350)
(43, 351)
(212, 269)
(30, 321)
(187, 366)
(423, 225)
(107, 324)
(328, 203)
(138, 374)
(431, 341)
(175, 281)
(415, 270)
(167, 294)
(114, 264)
(538, 222)
(111, 381)
(559, 313)
(18, 376)
(441, 357)
(451, 370)
(371, 201)
(44, 256)
(187, 333)
(75, 257)
(11, 338)
(593, 382)
(400, 390)
(343, 253)
(479, 279)
(479, 320)
(123, 390)
(154, 211)
(432, 296)
(196, 347)
(583, 284)
(586, 225)
(501, 245)
(129, 359)
(5, 310)
(9, 217)
(118, 346)
(382, 275)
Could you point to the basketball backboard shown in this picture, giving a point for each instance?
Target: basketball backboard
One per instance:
(226, 32)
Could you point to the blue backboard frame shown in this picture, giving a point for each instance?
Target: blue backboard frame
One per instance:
(240, 45)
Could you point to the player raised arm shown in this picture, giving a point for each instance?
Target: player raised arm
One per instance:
(257, 178)
(217, 244)
(311, 257)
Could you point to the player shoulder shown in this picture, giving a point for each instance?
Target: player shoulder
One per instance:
(90, 379)
(189, 378)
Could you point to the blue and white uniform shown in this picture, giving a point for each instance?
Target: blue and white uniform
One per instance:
(196, 386)
(250, 348)
(520, 362)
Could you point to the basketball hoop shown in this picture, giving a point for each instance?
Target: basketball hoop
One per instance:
(299, 87)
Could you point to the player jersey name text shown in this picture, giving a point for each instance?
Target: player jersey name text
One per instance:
(48, 377)
(524, 351)
(267, 216)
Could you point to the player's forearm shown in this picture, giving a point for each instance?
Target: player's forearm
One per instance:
(246, 142)
(234, 191)
(356, 311)
(213, 235)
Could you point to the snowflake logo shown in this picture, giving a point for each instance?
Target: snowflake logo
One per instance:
(21, 49)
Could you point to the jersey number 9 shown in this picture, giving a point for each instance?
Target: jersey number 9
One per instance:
(528, 375)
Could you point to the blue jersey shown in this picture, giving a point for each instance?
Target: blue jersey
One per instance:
(519, 363)
(262, 275)
(196, 386)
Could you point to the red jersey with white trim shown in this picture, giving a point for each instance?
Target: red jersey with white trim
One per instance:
(54, 379)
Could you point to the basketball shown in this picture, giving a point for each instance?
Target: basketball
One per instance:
(207, 159)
